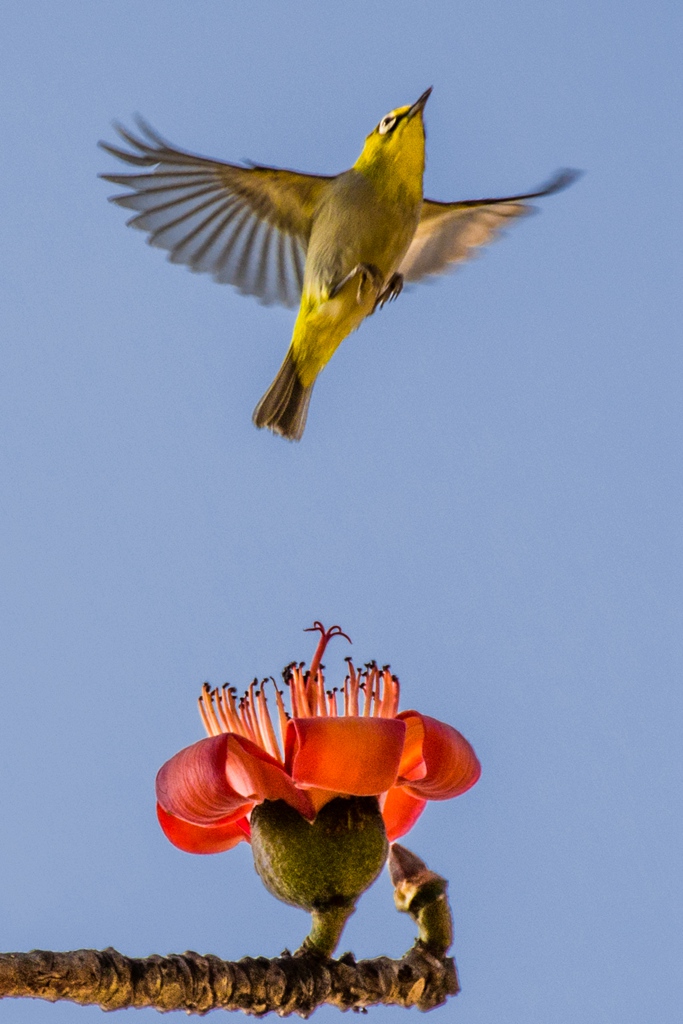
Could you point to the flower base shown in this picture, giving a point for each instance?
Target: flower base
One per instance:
(321, 866)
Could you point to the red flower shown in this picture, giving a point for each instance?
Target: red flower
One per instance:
(352, 742)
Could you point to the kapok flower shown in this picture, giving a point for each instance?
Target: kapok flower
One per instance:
(348, 742)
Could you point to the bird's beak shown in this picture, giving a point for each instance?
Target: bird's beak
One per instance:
(419, 105)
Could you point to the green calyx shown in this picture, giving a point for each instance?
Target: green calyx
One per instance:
(321, 866)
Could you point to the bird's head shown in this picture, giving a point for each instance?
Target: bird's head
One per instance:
(397, 145)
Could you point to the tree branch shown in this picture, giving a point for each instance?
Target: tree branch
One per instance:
(297, 983)
(284, 985)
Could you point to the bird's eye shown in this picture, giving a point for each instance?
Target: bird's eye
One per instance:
(386, 124)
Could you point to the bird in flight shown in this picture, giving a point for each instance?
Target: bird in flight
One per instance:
(337, 246)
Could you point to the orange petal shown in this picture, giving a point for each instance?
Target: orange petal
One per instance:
(438, 762)
(192, 838)
(354, 756)
(220, 778)
(253, 772)
(400, 812)
(412, 765)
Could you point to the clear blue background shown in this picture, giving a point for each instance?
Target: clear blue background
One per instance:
(488, 494)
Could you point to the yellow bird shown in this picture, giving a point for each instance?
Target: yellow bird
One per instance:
(338, 246)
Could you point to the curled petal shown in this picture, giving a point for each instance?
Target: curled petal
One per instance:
(220, 778)
(400, 812)
(194, 785)
(438, 763)
(412, 765)
(355, 756)
(192, 838)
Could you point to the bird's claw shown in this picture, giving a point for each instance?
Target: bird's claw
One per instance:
(391, 292)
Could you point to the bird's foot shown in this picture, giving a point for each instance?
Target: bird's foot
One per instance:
(367, 273)
(391, 292)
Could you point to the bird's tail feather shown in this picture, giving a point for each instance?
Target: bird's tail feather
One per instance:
(284, 407)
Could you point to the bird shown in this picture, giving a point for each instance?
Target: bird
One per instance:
(338, 246)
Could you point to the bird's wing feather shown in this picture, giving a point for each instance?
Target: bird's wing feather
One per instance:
(449, 233)
(247, 226)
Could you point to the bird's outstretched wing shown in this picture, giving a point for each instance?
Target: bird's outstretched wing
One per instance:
(247, 226)
(450, 232)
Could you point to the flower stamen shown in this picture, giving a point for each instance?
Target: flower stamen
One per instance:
(390, 696)
(369, 690)
(351, 690)
(332, 703)
(245, 715)
(267, 725)
(255, 717)
(229, 705)
(208, 712)
(223, 711)
(283, 717)
(297, 687)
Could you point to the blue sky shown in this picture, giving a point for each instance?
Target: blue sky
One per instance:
(488, 494)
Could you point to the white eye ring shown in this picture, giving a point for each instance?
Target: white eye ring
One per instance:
(386, 124)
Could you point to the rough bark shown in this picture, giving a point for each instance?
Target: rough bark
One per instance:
(284, 985)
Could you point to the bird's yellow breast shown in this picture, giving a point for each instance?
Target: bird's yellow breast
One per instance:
(359, 221)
